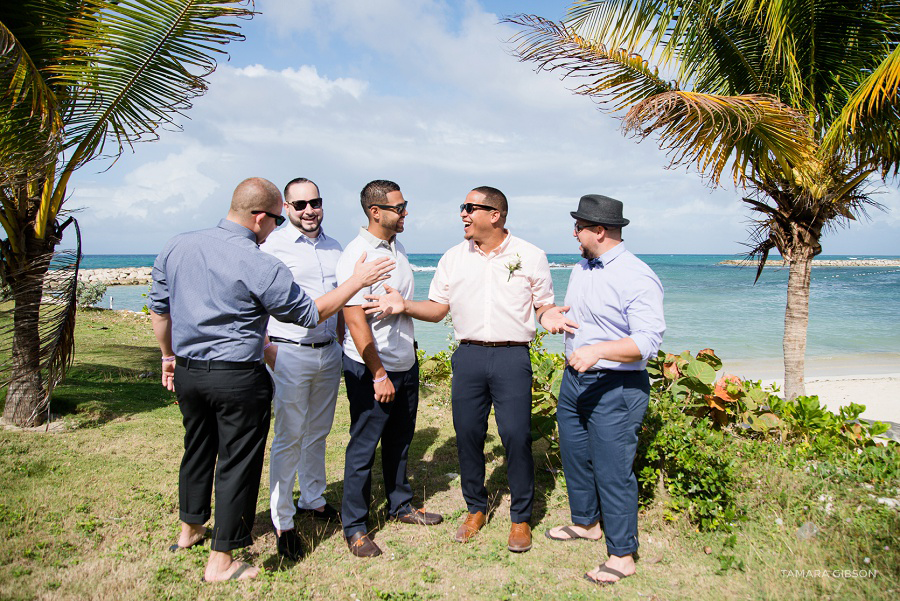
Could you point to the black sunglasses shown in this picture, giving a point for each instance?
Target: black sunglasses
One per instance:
(278, 218)
(470, 207)
(396, 208)
(300, 205)
(579, 227)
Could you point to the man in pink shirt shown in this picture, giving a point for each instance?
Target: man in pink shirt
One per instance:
(493, 285)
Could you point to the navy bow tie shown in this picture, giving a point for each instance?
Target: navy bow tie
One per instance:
(595, 263)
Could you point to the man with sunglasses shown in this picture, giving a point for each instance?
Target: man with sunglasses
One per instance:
(494, 285)
(382, 377)
(617, 301)
(305, 364)
(212, 293)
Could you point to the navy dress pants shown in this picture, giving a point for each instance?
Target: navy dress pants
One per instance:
(393, 424)
(226, 420)
(498, 376)
(599, 416)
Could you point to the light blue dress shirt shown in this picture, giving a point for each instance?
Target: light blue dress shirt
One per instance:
(312, 262)
(219, 289)
(621, 299)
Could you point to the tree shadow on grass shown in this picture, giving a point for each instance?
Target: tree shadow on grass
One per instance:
(97, 393)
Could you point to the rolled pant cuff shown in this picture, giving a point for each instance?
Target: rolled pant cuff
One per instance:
(473, 510)
(194, 518)
(224, 546)
(320, 502)
(621, 551)
(351, 530)
(284, 524)
(518, 518)
(585, 521)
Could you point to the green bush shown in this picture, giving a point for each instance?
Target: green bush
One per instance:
(88, 294)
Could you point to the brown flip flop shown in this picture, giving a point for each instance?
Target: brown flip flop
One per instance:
(606, 570)
(572, 535)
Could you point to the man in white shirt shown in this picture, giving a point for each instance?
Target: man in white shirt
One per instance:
(494, 285)
(382, 376)
(305, 364)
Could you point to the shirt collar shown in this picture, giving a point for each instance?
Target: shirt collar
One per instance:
(237, 228)
(301, 237)
(375, 241)
(497, 251)
(610, 255)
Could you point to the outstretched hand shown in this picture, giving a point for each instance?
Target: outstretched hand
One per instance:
(390, 303)
(374, 272)
(555, 321)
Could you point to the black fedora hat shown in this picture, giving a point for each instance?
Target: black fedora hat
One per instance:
(601, 210)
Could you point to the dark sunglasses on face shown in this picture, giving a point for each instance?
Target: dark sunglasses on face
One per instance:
(300, 205)
(278, 218)
(396, 208)
(579, 227)
(471, 207)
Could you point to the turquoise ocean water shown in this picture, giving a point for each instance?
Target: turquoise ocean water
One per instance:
(853, 311)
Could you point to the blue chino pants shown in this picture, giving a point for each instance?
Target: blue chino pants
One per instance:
(393, 424)
(599, 416)
(498, 377)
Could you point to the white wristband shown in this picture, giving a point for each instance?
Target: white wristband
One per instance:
(168, 359)
(381, 379)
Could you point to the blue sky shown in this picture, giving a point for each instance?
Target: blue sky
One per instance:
(425, 93)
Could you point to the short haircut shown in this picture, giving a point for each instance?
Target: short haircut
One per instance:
(495, 198)
(255, 194)
(300, 180)
(375, 192)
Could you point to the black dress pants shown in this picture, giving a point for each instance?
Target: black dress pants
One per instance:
(370, 422)
(498, 376)
(226, 416)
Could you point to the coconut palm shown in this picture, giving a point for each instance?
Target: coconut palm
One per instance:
(80, 79)
(798, 99)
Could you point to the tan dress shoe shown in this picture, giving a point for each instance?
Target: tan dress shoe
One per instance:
(519, 537)
(471, 525)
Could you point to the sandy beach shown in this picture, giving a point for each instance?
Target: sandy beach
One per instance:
(872, 380)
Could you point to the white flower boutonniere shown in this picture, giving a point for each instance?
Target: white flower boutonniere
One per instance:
(514, 266)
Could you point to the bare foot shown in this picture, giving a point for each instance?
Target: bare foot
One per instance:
(237, 570)
(191, 534)
(622, 565)
(575, 531)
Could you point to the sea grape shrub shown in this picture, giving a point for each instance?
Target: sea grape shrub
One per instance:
(547, 372)
(88, 294)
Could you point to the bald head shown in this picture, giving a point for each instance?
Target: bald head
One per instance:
(255, 194)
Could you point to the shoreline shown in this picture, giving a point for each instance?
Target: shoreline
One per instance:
(818, 262)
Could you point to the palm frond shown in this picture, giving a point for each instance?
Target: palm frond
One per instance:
(617, 78)
(52, 316)
(753, 133)
(138, 65)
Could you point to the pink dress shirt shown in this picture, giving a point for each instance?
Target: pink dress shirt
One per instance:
(493, 296)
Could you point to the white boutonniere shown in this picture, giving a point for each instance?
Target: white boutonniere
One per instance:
(514, 266)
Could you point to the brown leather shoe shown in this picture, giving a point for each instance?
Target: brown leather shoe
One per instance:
(519, 537)
(420, 517)
(471, 525)
(362, 546)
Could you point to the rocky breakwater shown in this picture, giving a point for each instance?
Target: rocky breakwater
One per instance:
(822, 263)
(119, 276)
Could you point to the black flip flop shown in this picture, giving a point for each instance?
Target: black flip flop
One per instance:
(236, 575)
(176, 547)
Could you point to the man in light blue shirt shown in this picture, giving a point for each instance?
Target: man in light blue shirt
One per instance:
(305, 364)
(617, 303)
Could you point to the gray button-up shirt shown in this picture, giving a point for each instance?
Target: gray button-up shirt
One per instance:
(220, 289)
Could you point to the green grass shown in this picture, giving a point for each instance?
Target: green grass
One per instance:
(90, 511)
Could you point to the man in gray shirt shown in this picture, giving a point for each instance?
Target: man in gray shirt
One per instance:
(213, 291)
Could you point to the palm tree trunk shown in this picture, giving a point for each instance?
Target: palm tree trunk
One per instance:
(796, 320)
(25, 397)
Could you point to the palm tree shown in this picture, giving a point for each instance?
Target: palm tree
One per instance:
(798, 98)
(76, 75)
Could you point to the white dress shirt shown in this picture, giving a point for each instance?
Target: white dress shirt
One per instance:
(394, 335)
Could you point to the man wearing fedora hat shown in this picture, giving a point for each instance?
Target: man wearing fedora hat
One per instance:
(617, 302)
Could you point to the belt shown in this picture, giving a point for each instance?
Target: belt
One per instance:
(208, 365)
(480, 343)
(308, 344)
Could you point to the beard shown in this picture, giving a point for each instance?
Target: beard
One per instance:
(306, 226)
